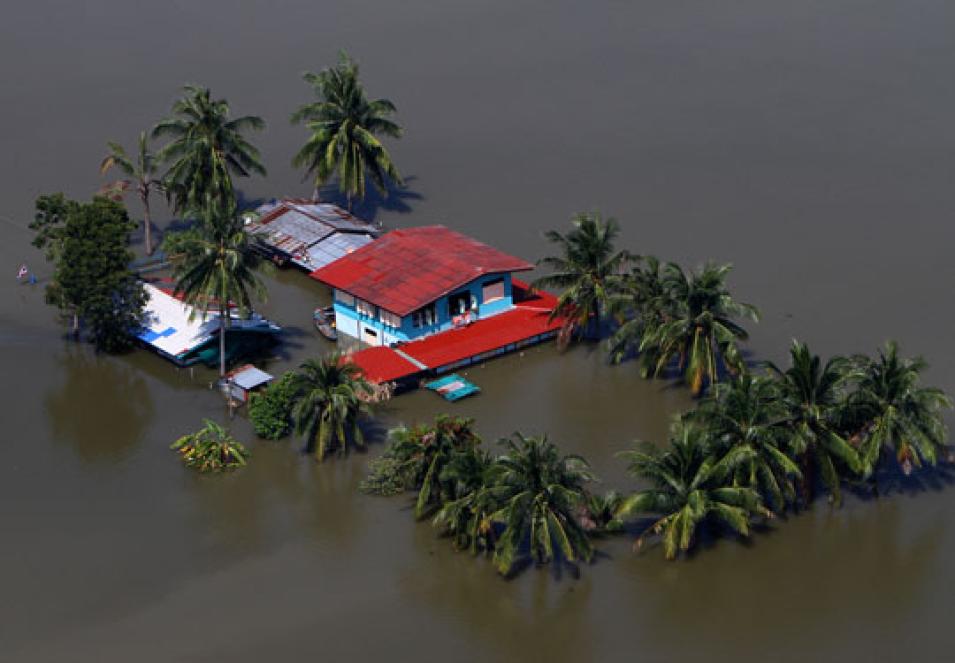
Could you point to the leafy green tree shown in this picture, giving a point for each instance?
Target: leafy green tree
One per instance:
(541, 492)
(416, 458)
(205, 149)
(641, 302)
(211, 449)
(217, 266)
(466, 514)
(92, 284)
(699, 330)
(344, 128)
(140, 173)
(747, 412)
(901, 415)
(813, 396)
(330, 400)
(587, 271)
(690, 486)
(271, 410)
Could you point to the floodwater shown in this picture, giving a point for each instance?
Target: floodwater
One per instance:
(810, 143)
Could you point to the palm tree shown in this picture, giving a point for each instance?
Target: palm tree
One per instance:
(216, 267)
(642, 302)
(211, 449)
(423, 452)
(690, 486)
(900, 414)
(329, 403)
(467, 516)
(812, 394)
(344, 126)
(205, 150)
(747, 412)
(140, 173)
(540, 491)
(699, 331)
(587, 271)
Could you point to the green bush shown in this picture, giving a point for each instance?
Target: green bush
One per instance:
(271, 410)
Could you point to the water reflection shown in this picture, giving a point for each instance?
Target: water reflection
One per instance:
(102, 406)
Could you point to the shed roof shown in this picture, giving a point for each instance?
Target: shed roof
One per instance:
(410, 268)
(249, 377)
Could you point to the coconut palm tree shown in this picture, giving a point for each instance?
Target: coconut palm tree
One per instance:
(211, 449)
(424, 451)
(641, 302)
(699, 331)
(900, 414)
(813, 395)
(344, 128)
(540, 491)
(216, 267)
(466, 517)
(329, 402)
(588, 271)
(140, 173)
(747, 412)
(690, 486)
(206, 148)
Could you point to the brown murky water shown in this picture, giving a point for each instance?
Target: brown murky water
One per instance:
(810, 143)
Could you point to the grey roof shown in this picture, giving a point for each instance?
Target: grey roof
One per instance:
(293, 226)
(334, 247)
(250, 378)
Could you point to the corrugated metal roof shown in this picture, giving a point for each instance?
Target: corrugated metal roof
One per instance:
(250, 377)
(334, 247)
(410, 268)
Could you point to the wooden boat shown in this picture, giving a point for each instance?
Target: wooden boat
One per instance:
(324, 319)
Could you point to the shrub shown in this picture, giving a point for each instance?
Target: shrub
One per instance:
(271, 410)
(211, 449)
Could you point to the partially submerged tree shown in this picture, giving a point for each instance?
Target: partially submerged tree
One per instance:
(92, 284)
(541, 492)
(140, 173)
(329, 404)
(211, 449)
(690, 486)
(587, 271)
(217, 267)
(699, 330)
(345, 127)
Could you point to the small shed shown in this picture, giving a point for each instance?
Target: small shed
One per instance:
(246, 379)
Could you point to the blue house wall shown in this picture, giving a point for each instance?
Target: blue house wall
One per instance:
(350, 321)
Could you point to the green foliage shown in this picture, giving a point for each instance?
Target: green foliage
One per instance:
(216, 265)
(205, 149)
(92, 284)
(330, 400)
(899, 414)
(211, 449)
(270, 411)
(696, 327)
(691, 483)
(178, 242)
(540, 491)
(140, 174)
(416, 459)
(344, 126)
(587, 271)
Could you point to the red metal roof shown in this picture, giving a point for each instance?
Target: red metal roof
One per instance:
(382, 364)
(527, 319)
(412, 267)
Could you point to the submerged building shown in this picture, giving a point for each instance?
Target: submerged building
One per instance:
(429, 300)
(309, 234)
(415, 282)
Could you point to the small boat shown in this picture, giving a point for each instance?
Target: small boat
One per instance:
(324, 319)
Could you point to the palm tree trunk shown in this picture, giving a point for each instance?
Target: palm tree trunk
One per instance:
(316, 197)
(147, 225)
(222, 320)
(76, 325)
